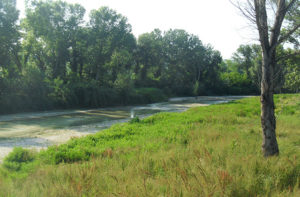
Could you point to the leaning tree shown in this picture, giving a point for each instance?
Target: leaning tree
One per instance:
(277, 21)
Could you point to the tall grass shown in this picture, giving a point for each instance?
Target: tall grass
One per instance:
(205, 151)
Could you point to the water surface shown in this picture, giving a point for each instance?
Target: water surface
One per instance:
(40, 130)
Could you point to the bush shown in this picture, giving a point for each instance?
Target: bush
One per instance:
(135, 120)
(17, 158)
(237, 84)
(150, 95)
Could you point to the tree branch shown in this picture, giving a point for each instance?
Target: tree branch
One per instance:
(262, 23)
(275, 31)
(288, 7)
(247, 11)
(286, 36)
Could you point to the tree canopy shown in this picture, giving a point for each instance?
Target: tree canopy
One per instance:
(53, 58)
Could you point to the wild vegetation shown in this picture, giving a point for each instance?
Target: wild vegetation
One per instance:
(53, 58)
(205, 151)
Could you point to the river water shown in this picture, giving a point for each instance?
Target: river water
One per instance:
(40, 130)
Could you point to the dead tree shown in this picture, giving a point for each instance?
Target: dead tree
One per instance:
(270, 36)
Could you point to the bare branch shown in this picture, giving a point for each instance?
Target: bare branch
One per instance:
(246, 10)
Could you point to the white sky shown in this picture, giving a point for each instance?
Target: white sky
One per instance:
(216, 22)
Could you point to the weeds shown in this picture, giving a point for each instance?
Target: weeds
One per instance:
(206, 151)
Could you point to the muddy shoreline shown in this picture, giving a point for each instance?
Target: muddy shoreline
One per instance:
(43, 129)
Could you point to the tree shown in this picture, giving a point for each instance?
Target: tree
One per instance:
(244, 57)
(9, 35)
(110, 33)
(55, 29)
(292, 78)
(150, 58)
(189, 65)
(178, 62)
(270, 37)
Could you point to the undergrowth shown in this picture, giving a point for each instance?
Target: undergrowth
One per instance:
(205, 151)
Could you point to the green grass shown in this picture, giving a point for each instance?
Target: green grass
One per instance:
(205, 151)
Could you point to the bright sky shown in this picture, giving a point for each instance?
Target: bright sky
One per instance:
(216, 22)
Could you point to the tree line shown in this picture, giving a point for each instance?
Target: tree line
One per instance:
(243, 71)
(52, 58)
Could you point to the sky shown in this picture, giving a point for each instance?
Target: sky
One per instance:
(215, 22)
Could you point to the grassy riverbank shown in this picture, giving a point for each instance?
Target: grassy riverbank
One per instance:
(205, 151)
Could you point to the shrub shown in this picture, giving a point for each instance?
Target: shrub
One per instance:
(134, 120)
(17, 158)
(150, 95)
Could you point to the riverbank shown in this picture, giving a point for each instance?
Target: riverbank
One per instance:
(212, 150)
(43, 129)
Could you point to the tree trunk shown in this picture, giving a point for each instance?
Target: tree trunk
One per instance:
(268, 121)
(74, 62)
(80, 68)
(270, 38)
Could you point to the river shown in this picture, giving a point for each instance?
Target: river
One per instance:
(42, 129)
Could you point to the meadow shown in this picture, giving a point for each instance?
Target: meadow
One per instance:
(206, 151)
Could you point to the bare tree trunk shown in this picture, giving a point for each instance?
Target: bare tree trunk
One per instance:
(268, 121)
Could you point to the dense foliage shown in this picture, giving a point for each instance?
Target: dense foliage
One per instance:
(243, 72)
(52, 59)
